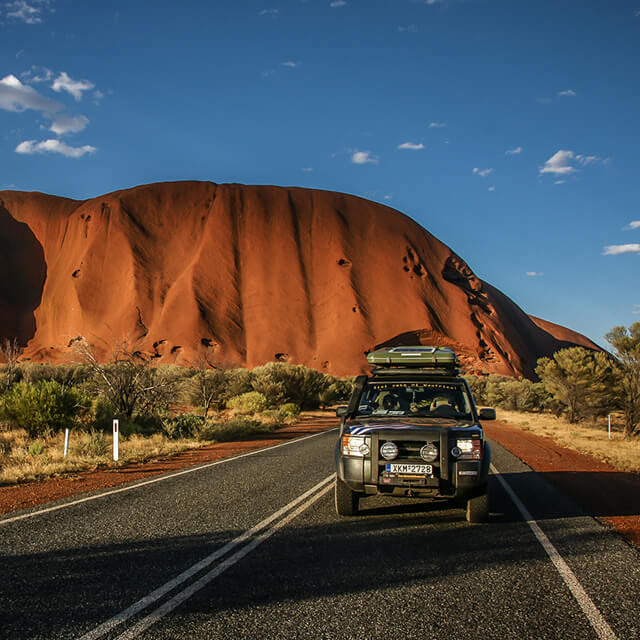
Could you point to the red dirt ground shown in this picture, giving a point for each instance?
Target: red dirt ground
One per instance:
(604, 492)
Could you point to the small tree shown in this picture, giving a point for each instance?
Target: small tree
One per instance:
(207, 388)
(626, 345)
(11, 352)
(128, 382)
(582, 380)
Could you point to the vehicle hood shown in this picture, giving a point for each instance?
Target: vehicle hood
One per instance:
(370, 425)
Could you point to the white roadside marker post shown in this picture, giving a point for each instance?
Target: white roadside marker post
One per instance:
(116, 436)
(66, 442)
(609, 426)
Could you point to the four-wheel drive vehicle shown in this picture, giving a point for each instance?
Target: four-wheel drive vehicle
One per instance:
(412, 430)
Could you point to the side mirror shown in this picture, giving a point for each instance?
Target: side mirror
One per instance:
(341, 412)
(487, 414)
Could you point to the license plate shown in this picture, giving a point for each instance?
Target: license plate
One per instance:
(411, 469)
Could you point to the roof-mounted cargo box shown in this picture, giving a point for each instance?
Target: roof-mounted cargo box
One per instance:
(415, 356)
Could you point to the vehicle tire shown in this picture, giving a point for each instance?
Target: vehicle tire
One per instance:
(478, 508)
(346, 499)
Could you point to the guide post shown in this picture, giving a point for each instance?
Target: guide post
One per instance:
(116, 436)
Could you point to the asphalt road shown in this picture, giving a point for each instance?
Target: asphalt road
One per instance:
(252, 548)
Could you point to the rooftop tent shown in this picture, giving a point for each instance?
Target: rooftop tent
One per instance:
(414, 356)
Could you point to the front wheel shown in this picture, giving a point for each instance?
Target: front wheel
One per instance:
(478, 508)
(346, 499)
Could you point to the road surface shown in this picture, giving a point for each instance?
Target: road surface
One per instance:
(251, 547)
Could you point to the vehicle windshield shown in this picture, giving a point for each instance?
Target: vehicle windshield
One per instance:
(425, 399)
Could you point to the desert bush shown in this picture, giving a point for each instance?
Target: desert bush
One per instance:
(238, 382)
(236, 428)
(42, 408)
(281, 382)
(186, 425)
(290, 409)
(246, 403)
(92, 444)
(36, 448)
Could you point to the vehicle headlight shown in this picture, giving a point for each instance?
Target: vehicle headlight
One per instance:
(355, 446)
(470, 448)
(389, 450)
(429, 453)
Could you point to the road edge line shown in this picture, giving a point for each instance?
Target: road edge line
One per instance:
(597, 621)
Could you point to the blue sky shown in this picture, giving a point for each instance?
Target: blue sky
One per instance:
(508, 129)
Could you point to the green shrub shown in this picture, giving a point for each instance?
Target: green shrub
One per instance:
(250, 402)
(290, 409)
(36, 448)
(42, 408)
(187, 425)
(280, 383)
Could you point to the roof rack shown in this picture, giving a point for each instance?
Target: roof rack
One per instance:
(415, 357)
(410, 371)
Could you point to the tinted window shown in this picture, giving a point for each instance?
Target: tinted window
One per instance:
(434, 400)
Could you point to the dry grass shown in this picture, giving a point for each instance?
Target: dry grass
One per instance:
(86, 451)
(588, 438)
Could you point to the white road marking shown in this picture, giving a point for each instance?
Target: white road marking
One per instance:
(256, 536)
(602, 629)
(66, 505)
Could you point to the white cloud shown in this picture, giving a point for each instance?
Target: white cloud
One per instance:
(432, 1)
(534, 274)
(15, 96)
(636, 309)
(63, 124)
(37, 74)
(567, 92)
(618, 249)
(514, 152)
(30, 147)
(482, 172)
(491, 188)
(437, 125)
(363, 157)
(337, 3)
(307, 169)
(289, 63)
(269, 12)
(413, 146)
(388, 197)
(75, 87)
(22, 11)
(633, 225)
(585, 160)
(559, 163)
(411, 28)
(559, 182)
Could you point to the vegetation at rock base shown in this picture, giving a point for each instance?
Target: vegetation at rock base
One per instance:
(161, 408)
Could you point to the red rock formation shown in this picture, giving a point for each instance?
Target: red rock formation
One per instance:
(246, 275)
